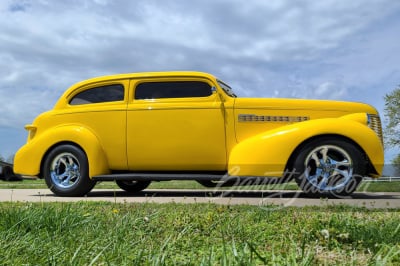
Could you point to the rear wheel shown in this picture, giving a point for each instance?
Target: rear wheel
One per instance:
(66, 171)
(327, 166)
(133, 186)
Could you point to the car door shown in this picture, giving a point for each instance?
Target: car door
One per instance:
(175, 125)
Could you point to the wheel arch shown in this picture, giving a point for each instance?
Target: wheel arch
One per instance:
(289, 165)
(88, 143)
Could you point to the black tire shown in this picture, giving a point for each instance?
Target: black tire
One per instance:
(329, 167)
(133, 186)
(66, 172)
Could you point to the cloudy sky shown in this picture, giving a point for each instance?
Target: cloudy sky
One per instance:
(332, 49)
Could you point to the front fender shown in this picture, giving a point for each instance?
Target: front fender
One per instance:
(29, 158)
(267, 154)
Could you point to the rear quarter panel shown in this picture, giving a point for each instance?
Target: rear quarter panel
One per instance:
(29, 158)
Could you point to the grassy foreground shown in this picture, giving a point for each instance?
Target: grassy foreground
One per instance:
(87, 233)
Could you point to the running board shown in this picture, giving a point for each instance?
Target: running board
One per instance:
(159, 177)
(207, 179)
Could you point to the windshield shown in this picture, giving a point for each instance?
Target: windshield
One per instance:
(228, 90)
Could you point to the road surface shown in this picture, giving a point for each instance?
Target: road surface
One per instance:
(267, 199)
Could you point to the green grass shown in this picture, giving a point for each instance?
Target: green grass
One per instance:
(373, 186)
(376, 186)
(87, 233)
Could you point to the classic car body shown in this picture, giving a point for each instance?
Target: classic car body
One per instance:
(141, 127)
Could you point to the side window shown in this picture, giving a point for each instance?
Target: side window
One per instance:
(108, 93)
(176, 89)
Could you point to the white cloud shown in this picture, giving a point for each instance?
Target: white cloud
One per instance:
(329, 88)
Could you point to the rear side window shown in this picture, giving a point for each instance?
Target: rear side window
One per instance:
(178, 89)
(108, 93)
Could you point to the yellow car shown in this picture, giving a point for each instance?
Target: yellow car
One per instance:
(143, 127)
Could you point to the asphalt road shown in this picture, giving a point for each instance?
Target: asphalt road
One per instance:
(266, 199)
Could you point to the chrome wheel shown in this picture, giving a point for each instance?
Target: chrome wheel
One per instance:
(328, 168)
(65, 170)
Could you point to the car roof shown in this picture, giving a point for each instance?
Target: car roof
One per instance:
(145, 75)
(61, 102)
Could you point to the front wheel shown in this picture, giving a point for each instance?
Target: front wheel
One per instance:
(133, 186)
(66, 171)
(326, 166)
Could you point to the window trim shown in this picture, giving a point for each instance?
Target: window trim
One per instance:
(136, 83)
(94, 86)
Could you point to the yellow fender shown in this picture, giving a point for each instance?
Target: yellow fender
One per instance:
(266, 154)
(76, 134)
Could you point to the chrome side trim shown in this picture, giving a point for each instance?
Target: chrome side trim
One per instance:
(374, 122)
(268, 118)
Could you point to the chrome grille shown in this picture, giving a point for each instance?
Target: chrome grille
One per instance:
(374, 122)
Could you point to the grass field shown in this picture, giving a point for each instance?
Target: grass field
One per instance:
(373, 186)
(94, 233)
(87, 233)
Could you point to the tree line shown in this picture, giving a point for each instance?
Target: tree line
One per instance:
(392, 115)
(9, 159)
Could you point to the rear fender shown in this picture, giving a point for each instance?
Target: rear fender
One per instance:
(28, 161)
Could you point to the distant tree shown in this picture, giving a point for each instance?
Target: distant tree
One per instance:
(396, 165)
(392, 113)
(396, 160)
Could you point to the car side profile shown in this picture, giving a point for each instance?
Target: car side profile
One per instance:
(143, 127)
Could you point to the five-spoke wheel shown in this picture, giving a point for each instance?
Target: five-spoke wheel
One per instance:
(329, 166)
(66, 171)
